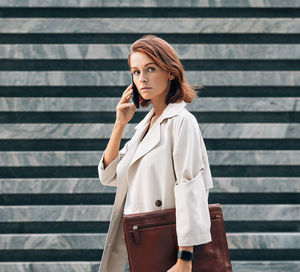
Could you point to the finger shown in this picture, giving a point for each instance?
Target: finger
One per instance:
(126, 95)
(128, 89)
(125, 105)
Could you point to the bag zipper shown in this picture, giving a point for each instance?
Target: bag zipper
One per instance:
(135, 229)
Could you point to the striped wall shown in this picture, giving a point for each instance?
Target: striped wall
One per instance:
(63, 68)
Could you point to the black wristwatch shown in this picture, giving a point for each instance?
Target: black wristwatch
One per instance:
(185, 255)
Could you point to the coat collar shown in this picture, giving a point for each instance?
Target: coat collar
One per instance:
(152, 138)
(171, 110)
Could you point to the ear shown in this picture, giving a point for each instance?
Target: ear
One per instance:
(171, 76)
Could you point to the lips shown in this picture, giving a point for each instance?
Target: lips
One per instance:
(145, 88)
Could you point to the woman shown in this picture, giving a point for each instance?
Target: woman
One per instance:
(164, 165)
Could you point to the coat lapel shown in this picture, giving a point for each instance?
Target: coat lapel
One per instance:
(152, 137)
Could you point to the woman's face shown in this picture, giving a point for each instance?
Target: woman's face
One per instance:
(148, 74)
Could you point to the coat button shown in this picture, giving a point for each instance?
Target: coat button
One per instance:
(158, 203)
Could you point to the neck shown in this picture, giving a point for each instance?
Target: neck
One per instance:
(158, 102)
(159, 105)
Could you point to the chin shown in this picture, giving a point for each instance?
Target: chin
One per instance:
(146, 97)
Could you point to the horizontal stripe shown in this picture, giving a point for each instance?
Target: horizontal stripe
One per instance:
(96, 213)
(158, 25)
(121, 78)
(150, 3)
(103, 131)
(121, 51)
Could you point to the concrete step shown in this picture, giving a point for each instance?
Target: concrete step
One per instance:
(93, 186)
(102, 213)
(102, 104)
(150, 25)
(122, 78)
(120, 51)
(103, 131)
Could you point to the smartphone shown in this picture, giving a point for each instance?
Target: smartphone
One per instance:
(135, 94)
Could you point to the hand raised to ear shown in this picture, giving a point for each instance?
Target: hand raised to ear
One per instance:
(124, 109)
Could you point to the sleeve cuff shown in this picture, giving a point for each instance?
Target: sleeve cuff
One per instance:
(108, 174)
(196, 240)
(192, 213)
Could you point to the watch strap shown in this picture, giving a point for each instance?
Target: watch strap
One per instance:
(185, 255)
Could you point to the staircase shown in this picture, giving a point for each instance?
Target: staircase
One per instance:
(63, 70)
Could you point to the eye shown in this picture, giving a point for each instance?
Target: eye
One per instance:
(134, 72)
(151, 68)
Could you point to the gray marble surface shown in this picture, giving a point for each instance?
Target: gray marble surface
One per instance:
(50, 266)
(263, 240)
(56, 185)
(50, 241)
(108, 104)
(103, 131)
(238, 266)
(92, 158)
(96, 213)
(121, 51)
(265, 266)
(122, 78)
(257, 240)
(261, 212)
(94, 186)
(256, 185)
(56, 213)
(254, 157)
(149, 3)
(150, 25)
(43, 214)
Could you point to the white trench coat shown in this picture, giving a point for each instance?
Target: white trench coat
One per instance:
(170, 165)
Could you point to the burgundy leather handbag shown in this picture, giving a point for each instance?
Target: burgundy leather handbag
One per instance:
(151, 242)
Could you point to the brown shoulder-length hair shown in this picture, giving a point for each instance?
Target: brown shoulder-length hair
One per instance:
(164, 55)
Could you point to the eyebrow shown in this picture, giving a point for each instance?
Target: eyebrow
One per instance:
(144, 66)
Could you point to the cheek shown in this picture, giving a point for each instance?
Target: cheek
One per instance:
(160, 80)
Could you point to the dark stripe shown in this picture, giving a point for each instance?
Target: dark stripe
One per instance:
(121, 65)
(95, 255)
(100, 144)
(148, 12)
(116, 91)
(50, 255)
(53, 227)
(262, 226)
(57, 199)
(91, 171)
(108, 198)
(255, 171)
(178, 38)
(254, 198)
(102, 227)
(265, 254)
(110, 117)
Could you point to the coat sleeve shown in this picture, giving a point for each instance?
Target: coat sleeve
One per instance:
(108, 174)
(191, 196)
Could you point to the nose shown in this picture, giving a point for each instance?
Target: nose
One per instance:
(142, 77)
